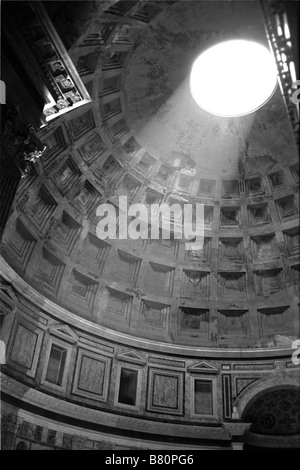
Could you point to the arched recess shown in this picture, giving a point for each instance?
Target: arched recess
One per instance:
(261, 387)
(273, 409)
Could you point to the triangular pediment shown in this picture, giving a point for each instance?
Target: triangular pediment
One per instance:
(131, 356)
(63, 332)
(204, 367)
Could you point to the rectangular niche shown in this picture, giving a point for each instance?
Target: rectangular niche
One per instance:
(129, 186)
(118, 306)
(233, 323)
(131, 147)
(165, 391)
(275, 320)
(94, 253)
(108, 85)
(66, 232)
(259, 214)
(146, 163)
(203, 397)
(66, 176)
(128, 386)
(56, 365)
(195, 319)
(254, 186)
(206, 187)
(202, 255)
(86, 198)
(231, 250)
(21, 244)
(92, 149)
(195, 283)
(264, 247)
(127, 267)
(230, 216)
(159, 280)
(277, 180)
(230, 189)
(110, 108)
(292, 239)
(295, 171)
(49, 273)
(287, 207)
(41, 209)
(110, 170)
(57, 362)
(83, 291)
(155, 315)
(268, 282)
(55, 144)
(92, 372)
(82, 124)
(232, 285)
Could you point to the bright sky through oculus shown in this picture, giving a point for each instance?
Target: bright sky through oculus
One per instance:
(233, 78)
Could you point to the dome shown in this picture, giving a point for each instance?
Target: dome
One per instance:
(127, 305)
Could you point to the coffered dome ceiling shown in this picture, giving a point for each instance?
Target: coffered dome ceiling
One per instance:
(143, 136)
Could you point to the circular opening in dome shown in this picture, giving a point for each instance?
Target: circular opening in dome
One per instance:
(233, 78)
